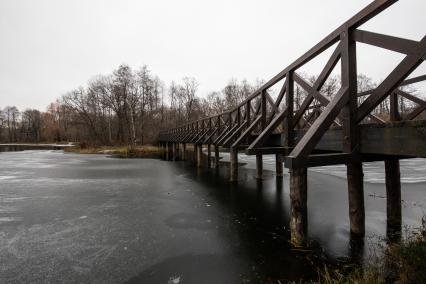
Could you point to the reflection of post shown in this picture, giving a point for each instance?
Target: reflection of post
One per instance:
(299, 209)
(259, 167)
(356, 249)
(209, 156)
(199, 155)
(279, 206)
(216, 156)
(393, 198)
(356, 199)
(278, 165)
(233, 157)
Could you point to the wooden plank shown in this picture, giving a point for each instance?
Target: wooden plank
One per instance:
(320, 126)
(272, 103)
(413, 80)
(247, 132)
(269, 129)
(394, 79)
(233, 128)
(405, 138)
(325, 72)
(268, 150)
(396, 44)
(319, 160)
(410, 97)
(349, 80)
(263, 110)
(416, 112)
(311, 90)
(224, 131)
(288, 121)
(207, 140)
(235, 133)
(202, 136)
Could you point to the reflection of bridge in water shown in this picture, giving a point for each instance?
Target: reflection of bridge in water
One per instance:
(322, 131)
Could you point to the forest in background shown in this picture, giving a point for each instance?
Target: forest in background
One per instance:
(130, 107)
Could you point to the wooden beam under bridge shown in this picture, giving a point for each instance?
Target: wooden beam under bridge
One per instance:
(402, 138)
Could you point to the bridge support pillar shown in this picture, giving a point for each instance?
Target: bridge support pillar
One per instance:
(174, 152)
(216, 156)
(167, 151)
(199, 151)
(178, 152)
(299, 208)
(163, 150)
(279, 165)
(356, 199)
(233, 158)
(183, 155)
(259, 167)
(393, 197)
(209, 156)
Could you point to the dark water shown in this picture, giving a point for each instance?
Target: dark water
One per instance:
(90, 218)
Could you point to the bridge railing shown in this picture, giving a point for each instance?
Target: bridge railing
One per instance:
(255, 119)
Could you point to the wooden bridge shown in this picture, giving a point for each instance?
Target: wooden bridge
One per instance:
(320, 131)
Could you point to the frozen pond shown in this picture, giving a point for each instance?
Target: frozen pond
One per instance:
(91, 218)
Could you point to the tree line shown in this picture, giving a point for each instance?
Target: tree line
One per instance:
(129, 107)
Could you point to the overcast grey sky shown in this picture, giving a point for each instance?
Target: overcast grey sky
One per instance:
(49, 47)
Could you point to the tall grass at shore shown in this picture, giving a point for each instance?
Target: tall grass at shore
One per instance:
(145, 151)
(403, 262)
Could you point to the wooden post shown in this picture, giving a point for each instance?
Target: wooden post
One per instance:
(350, 137)
(288, 121)
(259, 167)
(167, 151)
(199, 151)
(209, 156)
(233, 157)
(178, 151)
(248, 117)
(299, 208)
(278, 165)
(183, 152)
(174, 152)
(393, 196)
(393, 183)
(356, 199)
(216, 156)
(163, 150)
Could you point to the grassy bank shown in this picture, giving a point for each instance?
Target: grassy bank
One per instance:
(146, 151)
(403, 262)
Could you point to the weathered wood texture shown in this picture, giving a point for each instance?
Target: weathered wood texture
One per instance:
(393, 195)
(356, 199)
(405, 138)
(299, 207)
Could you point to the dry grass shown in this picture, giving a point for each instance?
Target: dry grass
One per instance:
(145, 151)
